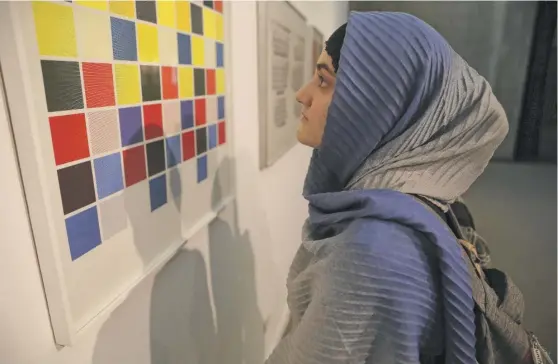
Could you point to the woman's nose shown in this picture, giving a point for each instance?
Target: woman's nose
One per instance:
(303, 95)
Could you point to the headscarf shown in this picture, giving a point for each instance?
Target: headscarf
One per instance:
(407, 113)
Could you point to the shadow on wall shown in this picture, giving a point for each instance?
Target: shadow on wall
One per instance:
(239, 324)
(181, 326)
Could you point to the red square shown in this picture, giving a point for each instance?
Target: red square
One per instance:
(153, 121)
(97, 80)
(134, 165)
(200, 112)
(188, 145)
(69, 138)
(222, 131)
(218, 4)
(170, 83)
(210, 79)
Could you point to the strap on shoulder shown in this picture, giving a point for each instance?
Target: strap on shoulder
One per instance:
(469, 250)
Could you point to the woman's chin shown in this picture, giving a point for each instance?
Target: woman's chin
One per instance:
(303, 138)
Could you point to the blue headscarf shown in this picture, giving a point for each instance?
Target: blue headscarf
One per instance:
(391, 66)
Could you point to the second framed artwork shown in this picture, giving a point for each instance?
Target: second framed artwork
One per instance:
(317, 44)
(282, 69)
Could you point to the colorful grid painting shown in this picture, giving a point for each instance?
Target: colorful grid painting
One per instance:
(133, 89)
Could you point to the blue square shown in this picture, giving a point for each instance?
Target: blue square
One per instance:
(131, 130)
(123, 40)
(212, 136)
(184, 49)
(221, 107)
(202, 168)
(187, 114)
(158, 191)
(83, 232)
(173, 151)
(220, 55)
(108, 175)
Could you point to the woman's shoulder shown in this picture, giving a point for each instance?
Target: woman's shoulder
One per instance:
(375, 251)
(385, 240)
(383, 265)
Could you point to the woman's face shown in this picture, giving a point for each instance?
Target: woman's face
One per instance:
(315, 98)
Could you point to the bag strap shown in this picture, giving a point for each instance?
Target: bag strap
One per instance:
(448, 217)
(473, 261)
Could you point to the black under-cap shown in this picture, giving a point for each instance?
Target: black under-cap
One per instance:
(333, 45)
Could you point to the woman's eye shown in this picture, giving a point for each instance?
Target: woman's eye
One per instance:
(321, 82)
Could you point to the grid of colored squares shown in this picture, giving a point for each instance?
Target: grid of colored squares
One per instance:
(123, 84)
(146, 97)
(165, 32)
(105, 84)
(92, 179)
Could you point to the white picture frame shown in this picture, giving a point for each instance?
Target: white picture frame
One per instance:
(81, 291)
(282, 50)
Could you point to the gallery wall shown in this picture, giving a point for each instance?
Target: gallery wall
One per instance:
(223, 295)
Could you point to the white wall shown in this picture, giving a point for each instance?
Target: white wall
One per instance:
(211, 303)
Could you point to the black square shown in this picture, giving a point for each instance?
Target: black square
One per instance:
(146, 10)
(150, 83)
(199, 82)
(76, 186)
(209, 4)
(155, 157)
(62, 82)
(201, 140)
(197, 19)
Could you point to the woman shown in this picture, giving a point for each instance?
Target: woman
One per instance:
(391, 112)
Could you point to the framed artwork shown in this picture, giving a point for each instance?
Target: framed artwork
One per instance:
(317, 46)
(119, 116)
(282, 65)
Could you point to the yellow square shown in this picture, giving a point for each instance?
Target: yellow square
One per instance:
(198, 51)
(148, 42)
(185, 82)
(166, 13)
(209, 23)
(168, 48)
(127, 84)
(183, 22)
(99, 5)
(220, 76)
(54, 27)
(220, 31)
(93, 34)
(123, 7)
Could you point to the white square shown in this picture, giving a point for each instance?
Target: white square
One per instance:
(168, 46)
(114, 218)
(103, 131)
(93, 35)
(171, 118)
(210, 53)
(211, 109)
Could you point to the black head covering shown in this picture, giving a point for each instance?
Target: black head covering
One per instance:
(334, 43)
